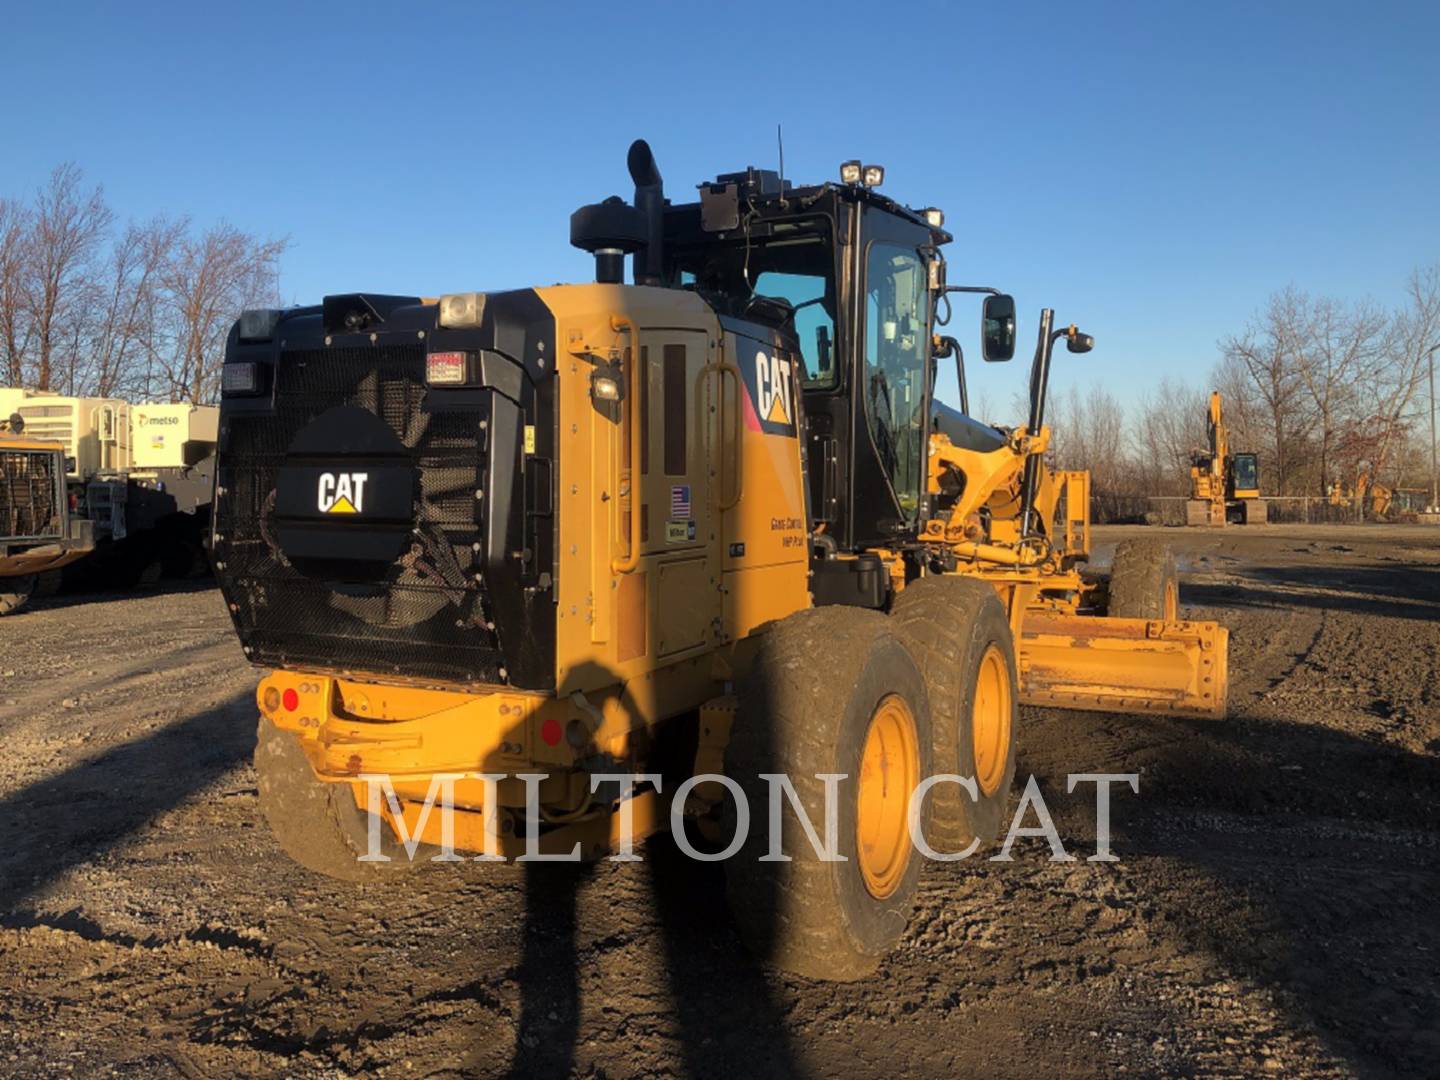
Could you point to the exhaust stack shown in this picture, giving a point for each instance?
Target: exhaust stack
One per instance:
(650, 201)
(612, 229)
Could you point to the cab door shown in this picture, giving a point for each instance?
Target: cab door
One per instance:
(890, 390)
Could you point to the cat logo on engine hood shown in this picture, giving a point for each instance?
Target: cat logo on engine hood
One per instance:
(770, 390)
(773, 385)
(341, 493)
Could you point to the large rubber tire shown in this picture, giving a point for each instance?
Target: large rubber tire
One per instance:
(317, 824)
(47, 584)
(818, 680)
(151, 571)
(185, 559)
(951, 625)
(1144, 583)
(15, 593)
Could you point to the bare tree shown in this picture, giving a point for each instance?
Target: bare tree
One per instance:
(1261, 367)
(1171, 427)
(68, 226)
(1392, 388)
(1345, 342)
(128, 303)
(15, 325)
(982, 409)
(208, 282)
(1089, 433)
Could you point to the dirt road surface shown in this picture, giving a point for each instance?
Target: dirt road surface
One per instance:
(1276, 907)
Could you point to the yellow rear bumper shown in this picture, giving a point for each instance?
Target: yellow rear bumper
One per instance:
(348, 729)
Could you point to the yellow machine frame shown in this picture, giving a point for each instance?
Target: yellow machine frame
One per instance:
(41, 557)
(1069, 659)
(653, 630)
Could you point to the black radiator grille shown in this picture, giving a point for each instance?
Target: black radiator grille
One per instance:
(29, 494)
(428, 618)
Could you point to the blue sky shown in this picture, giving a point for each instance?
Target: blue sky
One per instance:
(1153, 171)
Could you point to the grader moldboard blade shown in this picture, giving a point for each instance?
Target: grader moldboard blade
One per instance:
(1124, 665)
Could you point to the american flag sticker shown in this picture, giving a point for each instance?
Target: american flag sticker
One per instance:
(680, 501)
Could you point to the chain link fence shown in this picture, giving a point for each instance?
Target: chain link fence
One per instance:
(1107, 508)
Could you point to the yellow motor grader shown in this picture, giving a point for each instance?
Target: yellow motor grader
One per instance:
(709, 530)
(38, 532)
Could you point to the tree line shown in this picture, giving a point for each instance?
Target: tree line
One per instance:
(92, 308)
(1323, 390)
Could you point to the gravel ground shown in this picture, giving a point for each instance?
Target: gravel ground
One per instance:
(1274, 910)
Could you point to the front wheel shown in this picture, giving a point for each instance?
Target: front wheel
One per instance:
(957, 630)
(1144, 583)
(831, 691)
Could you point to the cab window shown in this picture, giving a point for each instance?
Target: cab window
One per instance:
(1245, 472)
(789, 262)
(813, 321)
(896, 354)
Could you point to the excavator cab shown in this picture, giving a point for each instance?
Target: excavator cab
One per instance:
(1244, 477)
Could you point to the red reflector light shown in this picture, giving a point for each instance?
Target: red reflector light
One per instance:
(291, 700)
(550, 731)
(445, 369)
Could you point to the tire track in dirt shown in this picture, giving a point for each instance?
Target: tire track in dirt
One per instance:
(1262, 919)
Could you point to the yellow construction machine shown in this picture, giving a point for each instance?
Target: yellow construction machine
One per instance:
(1365, 496)
(707, 530)
(1224, 487)
(39, 534)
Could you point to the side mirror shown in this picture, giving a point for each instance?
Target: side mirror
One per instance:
(1077, 342)
(997, 328)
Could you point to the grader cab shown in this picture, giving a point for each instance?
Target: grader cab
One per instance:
(591, 561)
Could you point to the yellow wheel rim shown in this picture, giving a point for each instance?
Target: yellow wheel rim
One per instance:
(1172, 601)
(990, 723)
(889, 772)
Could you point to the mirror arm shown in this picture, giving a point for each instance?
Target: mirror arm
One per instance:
(960, 376)
(948, 346)
(1039, 387)
(973, 289)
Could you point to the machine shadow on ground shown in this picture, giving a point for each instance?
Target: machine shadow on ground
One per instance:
(1405, 591)
(79, 595)
(77, 815)
(727, 1019)
(725, 1015)
(1316, 881)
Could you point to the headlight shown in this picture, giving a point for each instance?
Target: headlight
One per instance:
(240, 379)
(873, 176)
(607, 383)
(850, 172)
(258, 324)
(462, 311)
